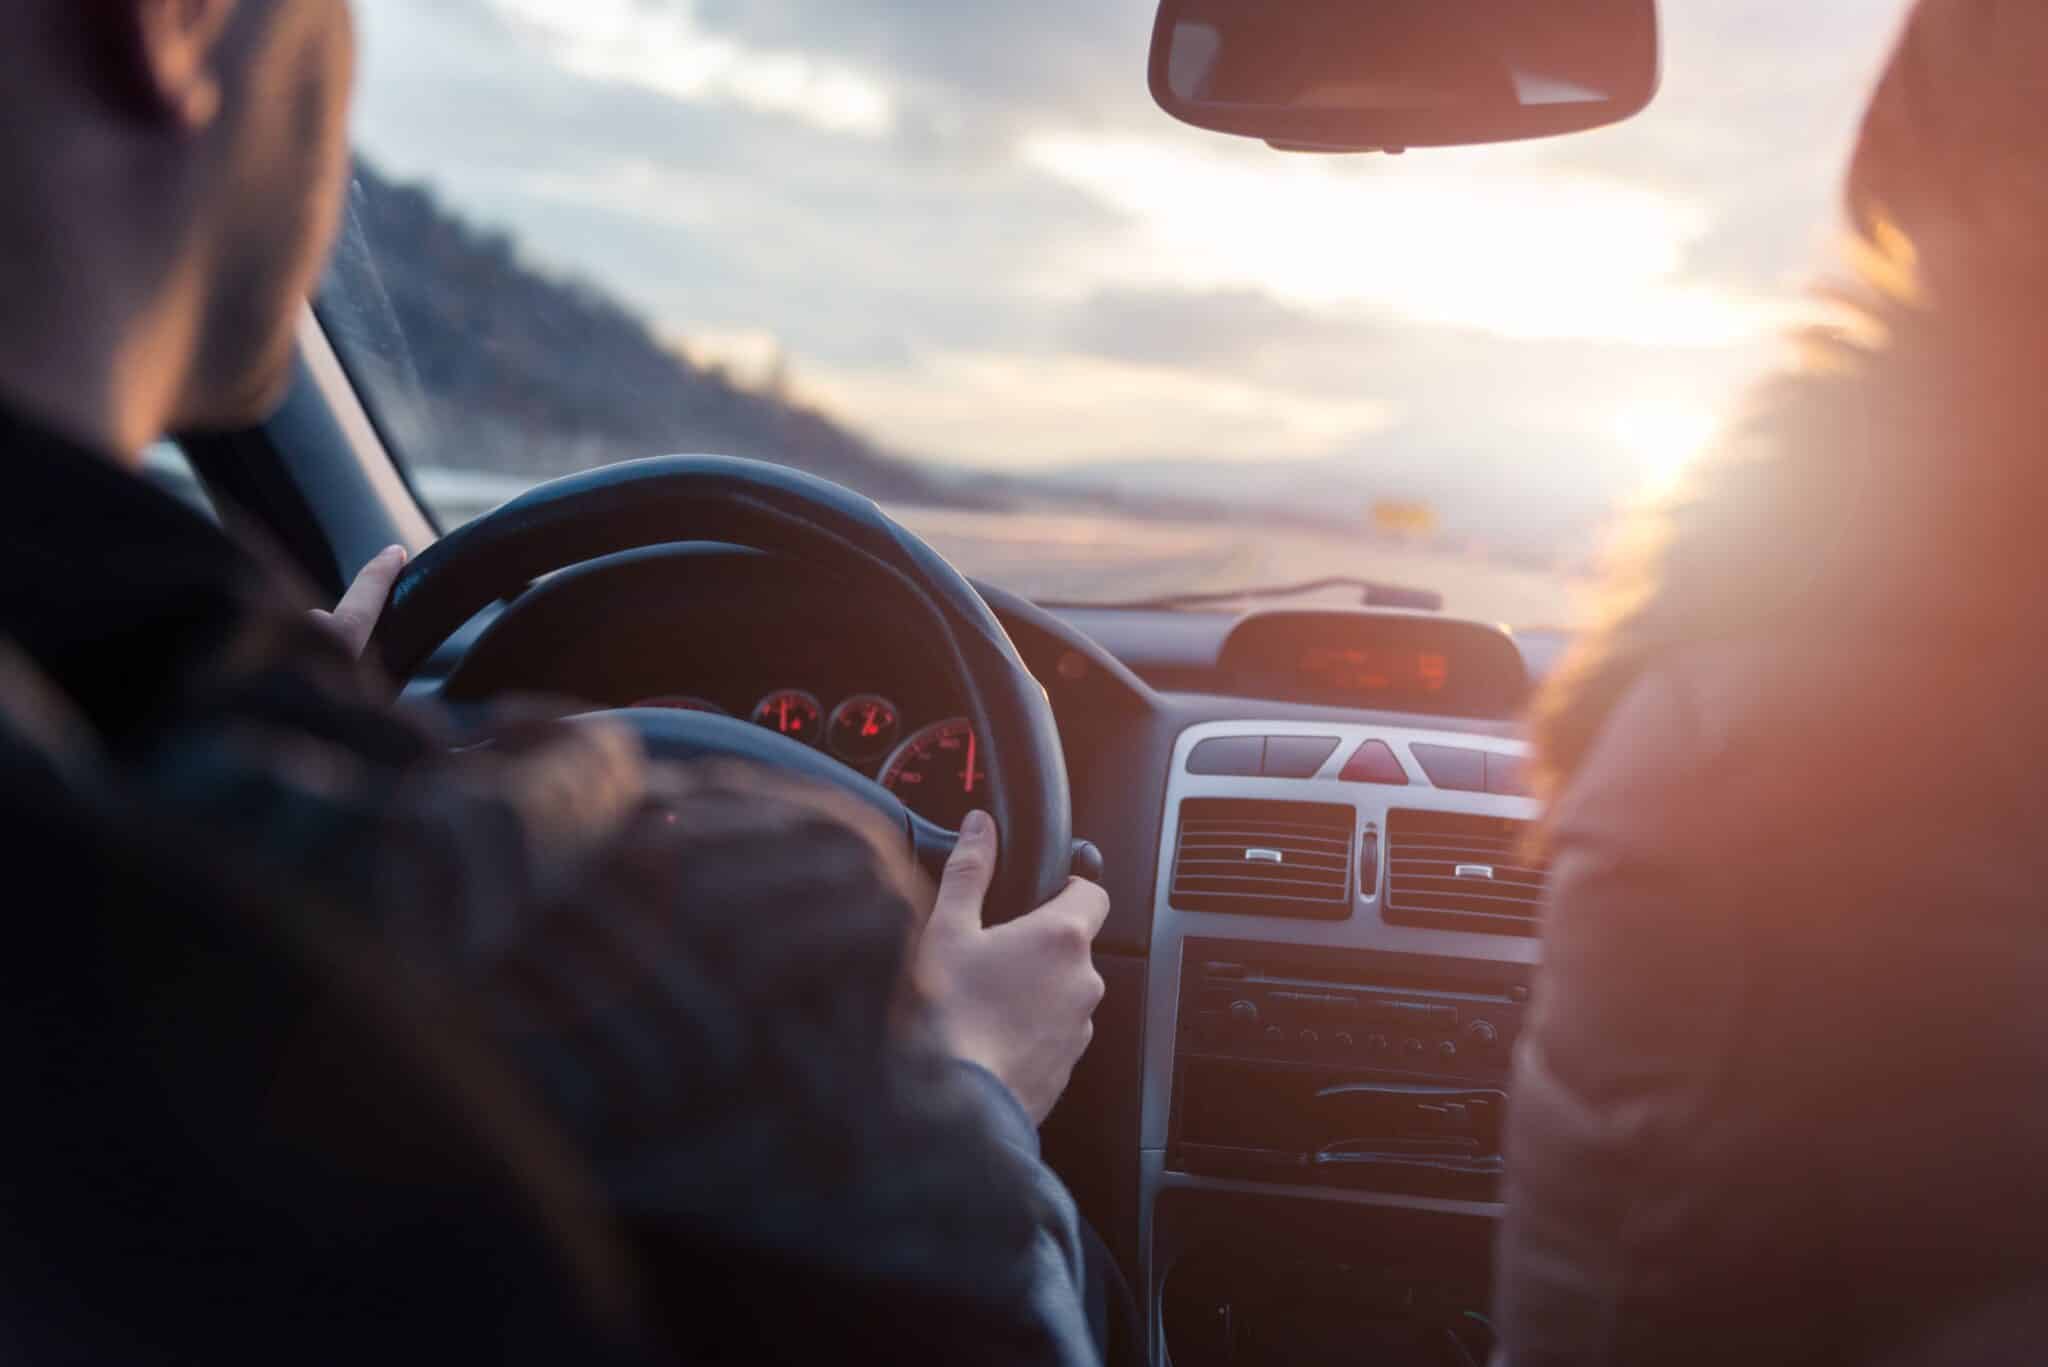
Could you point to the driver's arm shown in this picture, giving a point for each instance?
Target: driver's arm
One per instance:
(709, 978)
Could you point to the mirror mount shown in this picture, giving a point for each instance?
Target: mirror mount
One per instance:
(1387, 75)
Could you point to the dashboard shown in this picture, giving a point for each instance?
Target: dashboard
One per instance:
(711, 629)
(936, 770)
(1322, 935)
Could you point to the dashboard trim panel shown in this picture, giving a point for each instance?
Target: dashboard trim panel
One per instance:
(1364, 929)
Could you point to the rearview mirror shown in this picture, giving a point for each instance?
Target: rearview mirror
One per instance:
(1387, 75)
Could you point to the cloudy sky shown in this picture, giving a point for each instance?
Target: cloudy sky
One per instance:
(973, 236)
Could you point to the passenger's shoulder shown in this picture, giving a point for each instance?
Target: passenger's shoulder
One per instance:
(1726, 744)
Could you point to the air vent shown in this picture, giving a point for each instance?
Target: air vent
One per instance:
(1264, 858)
(1461, 873)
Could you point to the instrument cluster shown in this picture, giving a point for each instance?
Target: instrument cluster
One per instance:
(935, 770)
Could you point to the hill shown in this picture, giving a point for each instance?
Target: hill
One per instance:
(477, 359)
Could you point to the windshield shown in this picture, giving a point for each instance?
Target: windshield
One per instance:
(952, 256)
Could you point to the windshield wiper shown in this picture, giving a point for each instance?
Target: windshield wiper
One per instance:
(1370, 594)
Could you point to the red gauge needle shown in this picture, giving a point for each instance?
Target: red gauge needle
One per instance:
(970, 761)
(785, 716)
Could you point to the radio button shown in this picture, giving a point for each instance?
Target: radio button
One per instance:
(1310, 1037)
(1231, 756)
(1298, 756)
(1448, 1048)
(1483, 1033)
(1414, 1046)
(1345, 1039)
(1275, 1034)
(1244, 1012)
(1507, 776)
(1453, 767)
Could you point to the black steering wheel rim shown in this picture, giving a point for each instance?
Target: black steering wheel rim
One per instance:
(781, 512)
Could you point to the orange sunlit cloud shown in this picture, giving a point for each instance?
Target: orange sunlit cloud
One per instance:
(1439, 240)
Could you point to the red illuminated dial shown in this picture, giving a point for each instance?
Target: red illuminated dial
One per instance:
(793, 713)
(864, 727)
(938, 773)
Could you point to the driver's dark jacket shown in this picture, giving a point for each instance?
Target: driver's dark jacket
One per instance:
(1785, 1094)
(702, 1045)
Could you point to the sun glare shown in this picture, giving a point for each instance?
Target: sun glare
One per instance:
(1448, 241)
(1665, 440)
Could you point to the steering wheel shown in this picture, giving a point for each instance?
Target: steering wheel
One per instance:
(799, 517)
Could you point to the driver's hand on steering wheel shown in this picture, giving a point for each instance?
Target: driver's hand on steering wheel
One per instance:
(355, 616)
(1017, 999)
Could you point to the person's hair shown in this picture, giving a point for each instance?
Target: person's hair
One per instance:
(1898, 475)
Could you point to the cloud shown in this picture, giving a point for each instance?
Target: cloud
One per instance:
(1074, 61)
(1476, 419)
(1515, 253)
(665, 49)
(969, 230)
(710, 216)
(1025, 410)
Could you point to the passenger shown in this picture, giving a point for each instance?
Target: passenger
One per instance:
(324, 1045)
(1785, 1094)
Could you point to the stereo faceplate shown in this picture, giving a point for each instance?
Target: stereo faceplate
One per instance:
(1365, 1070)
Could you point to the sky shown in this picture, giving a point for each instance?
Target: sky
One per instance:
(967, 231)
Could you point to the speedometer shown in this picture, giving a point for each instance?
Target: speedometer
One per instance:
(938, 772)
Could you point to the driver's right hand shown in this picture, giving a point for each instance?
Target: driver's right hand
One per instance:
(1017, 999)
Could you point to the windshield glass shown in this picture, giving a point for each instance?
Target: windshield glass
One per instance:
(952, 256)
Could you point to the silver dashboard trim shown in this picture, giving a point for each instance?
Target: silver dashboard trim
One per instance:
(1364, 929)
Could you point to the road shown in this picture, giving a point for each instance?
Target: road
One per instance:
(1080, 557)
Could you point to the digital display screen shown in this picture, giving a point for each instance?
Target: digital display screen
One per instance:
(1394, 662)
(1376, 671)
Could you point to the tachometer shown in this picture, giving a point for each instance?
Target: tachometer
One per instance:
(792, 712)
(938, 773)
(863, 728)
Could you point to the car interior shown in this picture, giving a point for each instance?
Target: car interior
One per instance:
(1309, 808)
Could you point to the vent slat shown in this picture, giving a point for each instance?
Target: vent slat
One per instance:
(1500, 847)
(1424, 850)
(1249, 832)
(1437, 899)
(1504, 875)
(1258, 887)
(1329, 848)
(1336, 868)
(1257, 821)
(1312, 878)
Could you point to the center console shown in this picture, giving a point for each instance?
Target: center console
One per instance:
(1339, 1068)
(1343, 955)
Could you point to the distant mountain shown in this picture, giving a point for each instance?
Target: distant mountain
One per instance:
(478, 359)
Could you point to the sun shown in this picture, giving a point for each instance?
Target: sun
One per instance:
(1665, 439)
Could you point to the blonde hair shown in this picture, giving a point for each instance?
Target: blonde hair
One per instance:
(1900, 472)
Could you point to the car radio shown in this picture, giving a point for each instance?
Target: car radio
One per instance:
(1344, 1068)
